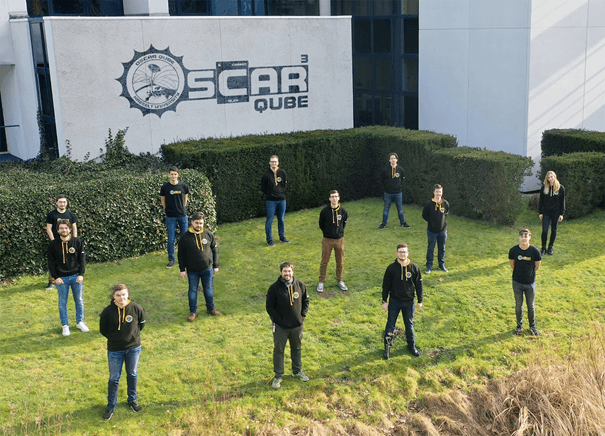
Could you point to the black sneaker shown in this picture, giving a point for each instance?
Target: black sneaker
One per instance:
(381, 227)
(406, 225)
(271, 243)
(135, 406)
(543, 251)
(413, 351)
(284, 240)
(443, 268)
(519, 330)
(550, 251)
(108, 414)
(170, 264)
(534, 331)
(50, 286)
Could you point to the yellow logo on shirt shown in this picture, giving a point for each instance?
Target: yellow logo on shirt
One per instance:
(296, 295)
(129, 318)
(523, 258)
(72, 250)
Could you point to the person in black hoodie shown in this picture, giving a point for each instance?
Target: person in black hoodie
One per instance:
(392, 177)
(332, 222)
(287, 305)
(435, 214)
(273, 185)
(198, 260)
(66, 264)
(121, 323)
(551, 208)
(401, 283)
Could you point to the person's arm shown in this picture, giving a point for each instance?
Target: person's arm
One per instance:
(386, 287)
(512, 264)
(305, 300)
(425, 211)
(186, 199)
(81, 261)
(270, 306)
(215, 259)
(74, 230)
(163, 201)
(561, 203)
(49, 231)
(103, 327)
(541, 203)
(51, 262)
(345, 217)
(537, 265)
(181, 256)
(142, 318)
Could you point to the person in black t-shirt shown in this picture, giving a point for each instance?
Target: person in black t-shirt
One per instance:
(525, 260)
(174, 196)
(52, 219)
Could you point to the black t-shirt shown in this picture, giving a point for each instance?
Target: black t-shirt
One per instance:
(525, 263)
(55, 215)
(175, 198)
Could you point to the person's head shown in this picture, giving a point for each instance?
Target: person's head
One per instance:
(437, 191)
(334, 197)
(551, 180)
(173, 173)
(286, 270)
(393, 158)
(61, 202)
(120, 294)
(197, 221)
(63, 227)
(402, 251)
(274, 162)
(524, 236)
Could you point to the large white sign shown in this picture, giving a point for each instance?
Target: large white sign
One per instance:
(177, 78)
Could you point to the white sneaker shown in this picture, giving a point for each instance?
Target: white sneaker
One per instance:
(82, 327)
(342, 286)
(65, 330)
(320, 287)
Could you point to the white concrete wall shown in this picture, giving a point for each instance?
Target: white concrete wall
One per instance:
(87, 56)
(497, 74)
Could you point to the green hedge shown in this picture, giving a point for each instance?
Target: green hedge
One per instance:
(583, 175)
(478, 183)
(119, 215)
(562, 141)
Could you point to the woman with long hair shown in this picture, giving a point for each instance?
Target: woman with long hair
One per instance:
(551, 208)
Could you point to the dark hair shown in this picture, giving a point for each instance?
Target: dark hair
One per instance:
(437, 186)
(334, 191)
(119, 287)
(60, 196)
(64, 221)
(197, 216)
(522, 231)
(402, 245)
(285, 265)
(173, 168)
(393, 154)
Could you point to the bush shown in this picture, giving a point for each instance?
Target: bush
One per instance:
(583, 175)
(561, 141)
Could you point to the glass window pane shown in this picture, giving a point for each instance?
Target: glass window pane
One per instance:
(383, 73)
(37, 44)
(45, 96)
(361, 29)
(410, 75)
(382, 7)
(409, 7)
(342, 7)
(363, 109)
(382, 35)
(363, 72)
(363, 8)
(410, 29)
(68, 7)
(382, 110)
(410, 112)
(37, 8)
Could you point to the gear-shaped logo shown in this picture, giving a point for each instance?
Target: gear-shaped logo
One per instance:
(153, 81)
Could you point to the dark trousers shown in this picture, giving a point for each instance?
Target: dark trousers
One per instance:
(551, 221)
(407, 310)
(280, 337)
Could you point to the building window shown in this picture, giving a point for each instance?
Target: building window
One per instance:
(3, 144)
(293, 7)
(385, 60)
(189, 7)
(85, 8)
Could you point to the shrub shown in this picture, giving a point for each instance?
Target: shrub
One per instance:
(583, 175)
(562, 141)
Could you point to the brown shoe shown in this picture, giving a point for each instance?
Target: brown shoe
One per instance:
(214, 312)
(192, 317)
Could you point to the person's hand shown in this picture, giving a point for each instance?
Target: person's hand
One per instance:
(419, 306)
(540, 216)
(385, 307)
(59, 281)
(215, 270)
(183, 274)
(560, 218)
(79, 279)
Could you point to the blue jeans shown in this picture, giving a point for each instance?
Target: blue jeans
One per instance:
(407, 310)
(275, 208)
(76, 289)
(440, 239)
(194, 282)
(529, 291)
(392, 198)
(116, 359)
(171, 223)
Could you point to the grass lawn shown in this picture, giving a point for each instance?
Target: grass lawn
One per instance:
(213, 376)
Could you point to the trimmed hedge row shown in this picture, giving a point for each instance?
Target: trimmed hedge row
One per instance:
(583, 175)
(478, 183)
(561, 141)
(119, 215)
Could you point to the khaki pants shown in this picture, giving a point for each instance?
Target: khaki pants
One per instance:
(327, 245)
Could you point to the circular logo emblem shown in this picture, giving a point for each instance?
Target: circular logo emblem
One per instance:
(296, 295)
(204, 241)
(129, 318)
(519, 257)
(556, 192)
(442, 210)
(153, 81)
(279, 179)
(396, 174)
(72, 250)
(408, 275)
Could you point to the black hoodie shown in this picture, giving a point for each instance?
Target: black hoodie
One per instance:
(66, 258)
(122, 327)
(287, 305)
